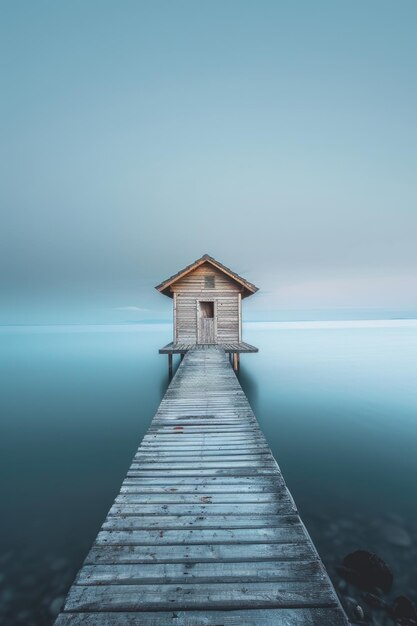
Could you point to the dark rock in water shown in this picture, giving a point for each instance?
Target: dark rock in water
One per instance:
(358, 612)
(28, 581)
(5, 558)
(58, 565)
(403, 612)
(350, 604)
(342, 586)
(374, 601)
(346, 524)
(6, 596)
(56, 605)
(23, 617)
(394, 518)
(366, 571)
(396, 535)
(355, 612)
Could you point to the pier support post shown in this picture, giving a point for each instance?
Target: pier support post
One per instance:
(236, 361)
(170, 365)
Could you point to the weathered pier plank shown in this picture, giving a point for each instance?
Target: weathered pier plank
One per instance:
(229, 347)
(268, 617)
(204, 531)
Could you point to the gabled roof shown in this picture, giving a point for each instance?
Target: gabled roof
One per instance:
(247, 287)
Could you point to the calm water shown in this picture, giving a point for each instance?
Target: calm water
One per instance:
(338, 406)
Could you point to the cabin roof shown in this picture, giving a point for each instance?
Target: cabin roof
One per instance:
(247, 287)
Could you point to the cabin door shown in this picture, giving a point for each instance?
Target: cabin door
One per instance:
(205, 316)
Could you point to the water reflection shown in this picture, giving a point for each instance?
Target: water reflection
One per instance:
(338, 406)
(248, 382)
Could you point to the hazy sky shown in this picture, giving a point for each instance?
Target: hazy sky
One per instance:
(277, 136)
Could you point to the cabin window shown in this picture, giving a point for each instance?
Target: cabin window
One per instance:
(209, 281)
(207, 310)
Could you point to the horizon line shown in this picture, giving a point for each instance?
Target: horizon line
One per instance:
(291, 323)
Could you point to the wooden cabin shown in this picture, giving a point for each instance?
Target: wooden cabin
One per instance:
(207, 305)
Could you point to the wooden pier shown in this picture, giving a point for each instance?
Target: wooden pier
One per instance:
(204, 531)
(233, 349)
(230, 347)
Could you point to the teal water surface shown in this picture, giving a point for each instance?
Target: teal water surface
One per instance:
(338, 406)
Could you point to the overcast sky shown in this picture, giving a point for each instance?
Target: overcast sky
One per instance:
(279, 137)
